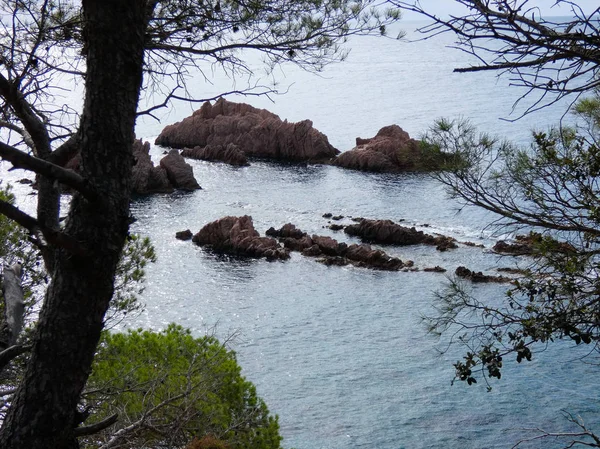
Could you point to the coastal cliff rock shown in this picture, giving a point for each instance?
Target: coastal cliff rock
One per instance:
(392, 150)
(388, 232)
(236, 235)
(257, 132)
(179, 172)
(230, 154)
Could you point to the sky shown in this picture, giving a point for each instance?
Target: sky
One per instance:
(547, 7)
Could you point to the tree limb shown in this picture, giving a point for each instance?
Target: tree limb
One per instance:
(12, 352)
(51, 236)
(97, 427)
(23, 160)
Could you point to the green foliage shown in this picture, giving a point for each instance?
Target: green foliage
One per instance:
(169, 387)
(553, 187)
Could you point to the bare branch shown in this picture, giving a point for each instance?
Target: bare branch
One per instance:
(97, 427)
(20, 159)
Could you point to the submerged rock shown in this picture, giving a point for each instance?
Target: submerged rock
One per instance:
(237, 236)
(257, 132)
(391, 150)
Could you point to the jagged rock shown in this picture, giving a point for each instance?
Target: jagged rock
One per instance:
(327, 215)
(367, 256)
(336, 227)
(230, 154)
(391, 150)
(257, 132)
(146, 178)
(388, 232)
(236, 235)
(184, 235)
(179, 172)
(287, 230)
(479, 277)
(329, 246)
(530, 244)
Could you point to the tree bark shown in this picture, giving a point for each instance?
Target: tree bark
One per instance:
(42, 414)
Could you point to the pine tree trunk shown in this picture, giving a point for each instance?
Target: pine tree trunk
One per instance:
(43, 412)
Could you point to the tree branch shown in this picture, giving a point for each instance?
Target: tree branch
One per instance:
(11, 353)
(23, 160)
(97, 427)
(51, 236)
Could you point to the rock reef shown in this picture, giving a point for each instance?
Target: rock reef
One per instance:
(388, 232)
(331, 252)
(479, 277)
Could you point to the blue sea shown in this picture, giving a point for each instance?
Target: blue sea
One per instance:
(341, 354)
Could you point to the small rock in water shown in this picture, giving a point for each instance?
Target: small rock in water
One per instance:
(184, 235)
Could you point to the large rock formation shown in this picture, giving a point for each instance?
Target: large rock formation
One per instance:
(391, 150)
(388, 232)
(257, 132)
(230, 154)
(237, 236)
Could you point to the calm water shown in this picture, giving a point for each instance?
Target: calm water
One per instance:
(340, 353)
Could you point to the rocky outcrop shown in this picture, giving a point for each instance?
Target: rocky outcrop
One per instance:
(230, 154)
(531, 244)
(388, 232)
(331, 252)
(147, 178)
(479, 277)
(257, 132)
(391, 150)
(172, 173)
(237, 236)
(179, 172)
